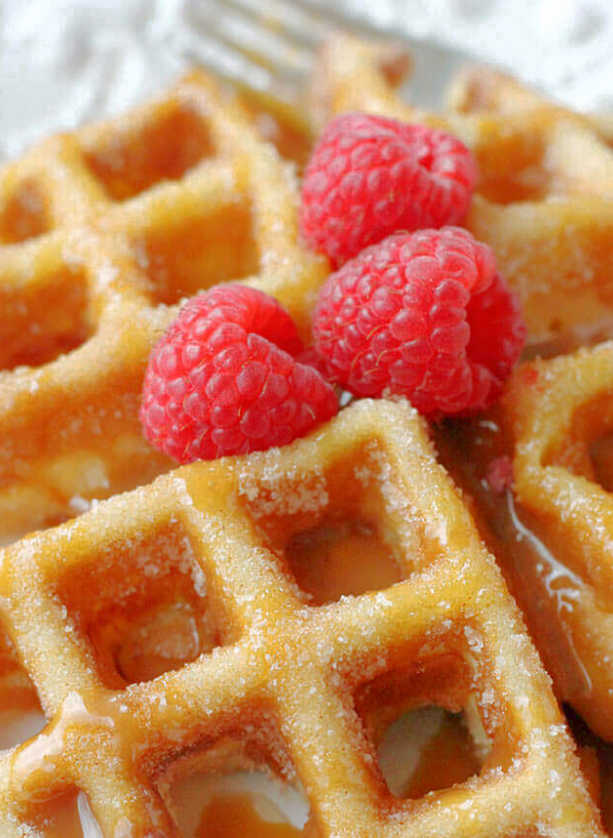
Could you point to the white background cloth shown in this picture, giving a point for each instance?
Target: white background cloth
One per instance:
(66, 61)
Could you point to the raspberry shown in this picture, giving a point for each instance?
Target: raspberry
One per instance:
(370, 176)
(424, 315)
(223, 379)
(499, 474)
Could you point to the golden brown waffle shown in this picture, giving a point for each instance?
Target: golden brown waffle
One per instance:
(559, 416)
(544, 199)
(100, 232)
(292, 679)
(544, 203)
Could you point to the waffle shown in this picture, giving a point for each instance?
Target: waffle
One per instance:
(558, 415)
(544, 203)
(101, 233)
(219, 642)
(538, 471)
(289, 679)
(544, 199)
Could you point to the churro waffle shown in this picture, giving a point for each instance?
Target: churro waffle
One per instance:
(539, 468)
(558, 416)
(100, 232)
(293, 679)
(543, 200)
(544, 203)
(216, 622)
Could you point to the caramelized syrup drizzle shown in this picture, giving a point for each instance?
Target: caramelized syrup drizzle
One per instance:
(249, 803)
(232, 815)
(535, 576)
(562, 585)
(540, 581)
(39, 753)
(425, 750)
(63, 820)
(432, 751)
(339, 558)
(71, 817)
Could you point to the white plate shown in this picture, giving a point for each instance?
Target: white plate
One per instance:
(65, 62)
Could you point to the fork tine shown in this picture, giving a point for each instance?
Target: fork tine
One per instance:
(323, 19)
(262, 40)
(271, 51)
(224, 59)
(294, 21)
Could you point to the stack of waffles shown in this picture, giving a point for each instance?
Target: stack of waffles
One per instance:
(322, 617)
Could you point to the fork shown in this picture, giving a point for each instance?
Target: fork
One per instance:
(270, 47)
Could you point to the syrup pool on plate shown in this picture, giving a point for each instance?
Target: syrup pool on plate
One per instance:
(427, 749)
(323, 560)
(237, 814)
(18, 723)
(70, 816)
(247, 803)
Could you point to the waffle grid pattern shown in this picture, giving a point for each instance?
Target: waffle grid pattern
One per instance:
(100, 232)
(555, 412)
(118, 222)
(280, 663)
(544, 205)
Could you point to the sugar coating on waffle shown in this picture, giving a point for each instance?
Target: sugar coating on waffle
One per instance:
(543, 200)
(102, 233)
(544, 204)
(282, 683)
(558, 415)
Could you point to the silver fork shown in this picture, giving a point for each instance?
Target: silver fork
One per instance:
(270, 46)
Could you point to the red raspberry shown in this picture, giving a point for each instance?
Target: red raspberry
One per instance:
(499, 474)
(423, 315)
(370, 176)
(222, 380)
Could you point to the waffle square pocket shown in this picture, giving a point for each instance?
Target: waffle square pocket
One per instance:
(298, 689)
